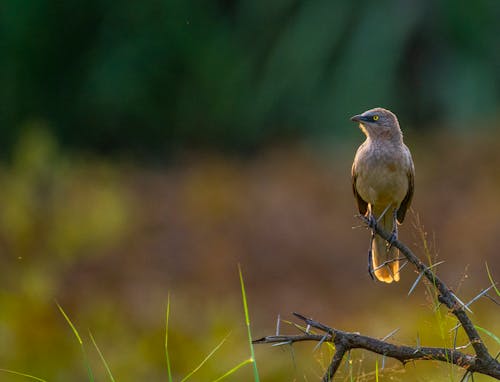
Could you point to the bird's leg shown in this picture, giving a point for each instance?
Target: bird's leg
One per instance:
(371, 271)
(372, 221)
(394, 233)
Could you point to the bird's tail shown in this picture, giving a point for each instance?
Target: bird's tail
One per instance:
(385, 265)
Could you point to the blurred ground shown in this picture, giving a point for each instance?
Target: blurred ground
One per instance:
(110, 241)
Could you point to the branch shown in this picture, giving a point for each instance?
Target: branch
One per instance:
(345, 341)
(482, 362)
(446, 296)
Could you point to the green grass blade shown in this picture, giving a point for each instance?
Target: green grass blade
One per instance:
(167, 316)
(102, 357)
(491, 280)
(488, 333)
(227, 374)
(247, 322)
(75, 332)
(23, 375)
(349, 362)
(79, 338)
(205, 359)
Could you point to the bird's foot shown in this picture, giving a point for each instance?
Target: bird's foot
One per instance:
(371, 221)
(394, 233)
(393, 238)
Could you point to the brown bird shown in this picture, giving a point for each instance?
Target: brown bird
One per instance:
(382, 181)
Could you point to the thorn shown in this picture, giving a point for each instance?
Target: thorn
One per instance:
(282, 343)
(298, 327)
(463, 346)
(278, 321)
(420, 275)
(390, 334)
(435, 264)
(404, 265)
(320, 342)
(461, 303)
(455, 327)
(481, 294)
(418, 344)
(492, 299)
(383, 362)
(308, 327)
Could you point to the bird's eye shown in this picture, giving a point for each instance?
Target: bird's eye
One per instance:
(375, 117)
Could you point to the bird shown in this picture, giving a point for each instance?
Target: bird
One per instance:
(383, 184)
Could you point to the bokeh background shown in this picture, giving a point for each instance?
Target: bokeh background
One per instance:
(149, 148)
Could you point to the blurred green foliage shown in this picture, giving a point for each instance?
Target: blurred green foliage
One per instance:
(55, 209)
(164, 75)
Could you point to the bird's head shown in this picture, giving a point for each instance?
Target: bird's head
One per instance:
(378, 122)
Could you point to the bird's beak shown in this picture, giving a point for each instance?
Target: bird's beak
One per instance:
(357, 118)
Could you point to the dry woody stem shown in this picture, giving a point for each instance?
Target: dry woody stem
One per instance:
(481, 362)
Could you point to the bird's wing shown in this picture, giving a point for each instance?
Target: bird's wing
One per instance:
(362, 205)
(405, 204)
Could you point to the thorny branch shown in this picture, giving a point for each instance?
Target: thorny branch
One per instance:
(481, 362)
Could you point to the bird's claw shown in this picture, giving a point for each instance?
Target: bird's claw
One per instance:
(393, 238)
(371, 221)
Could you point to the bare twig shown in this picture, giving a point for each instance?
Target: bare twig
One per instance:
(480, 362)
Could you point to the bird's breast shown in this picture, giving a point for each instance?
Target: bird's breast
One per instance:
(382, 177)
